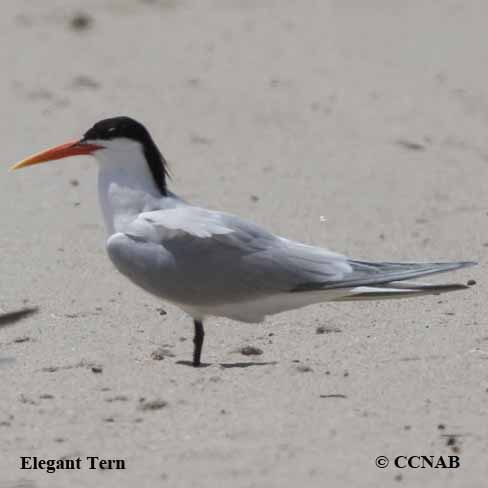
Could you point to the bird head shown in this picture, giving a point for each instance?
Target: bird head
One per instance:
(118, 139)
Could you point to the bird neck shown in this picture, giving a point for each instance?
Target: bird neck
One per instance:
(124, 191)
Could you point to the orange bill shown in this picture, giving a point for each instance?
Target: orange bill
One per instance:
(72, 148)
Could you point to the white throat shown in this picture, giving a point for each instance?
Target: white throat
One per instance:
(125, 184)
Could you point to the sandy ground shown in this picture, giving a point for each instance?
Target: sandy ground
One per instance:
(370, 115)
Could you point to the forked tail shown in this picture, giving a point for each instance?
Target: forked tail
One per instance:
(374, 281)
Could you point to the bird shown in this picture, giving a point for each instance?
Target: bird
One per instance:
(211, 263)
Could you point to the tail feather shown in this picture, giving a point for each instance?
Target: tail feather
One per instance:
(397, 290)
(365, 274)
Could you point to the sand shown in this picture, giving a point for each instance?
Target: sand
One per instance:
(360, 126)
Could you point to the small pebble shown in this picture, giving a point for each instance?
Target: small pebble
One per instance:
(302, 368)
(20, 340)
(50, 369)
(81, 21)
(83, 81)
(412, 146)
(117, 398)
(160, 353)
(151, 405)
(321, 329)
(250, 351)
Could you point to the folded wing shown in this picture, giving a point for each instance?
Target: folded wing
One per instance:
(200, 256)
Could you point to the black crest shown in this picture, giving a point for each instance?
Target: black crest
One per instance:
(118, 127)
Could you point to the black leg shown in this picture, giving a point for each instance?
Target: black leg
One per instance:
(198, 342)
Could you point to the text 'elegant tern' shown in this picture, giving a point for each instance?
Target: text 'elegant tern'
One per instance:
(212, 263)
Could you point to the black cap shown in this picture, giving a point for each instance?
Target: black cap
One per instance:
(125, 127)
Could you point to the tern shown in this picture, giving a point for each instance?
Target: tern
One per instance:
(211, 263)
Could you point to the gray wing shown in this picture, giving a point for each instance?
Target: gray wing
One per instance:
(369, 273)
(193, 255)
(189, 253)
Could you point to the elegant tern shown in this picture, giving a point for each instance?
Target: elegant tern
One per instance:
(212, 263)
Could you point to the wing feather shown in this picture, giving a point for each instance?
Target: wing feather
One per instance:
(197, 256)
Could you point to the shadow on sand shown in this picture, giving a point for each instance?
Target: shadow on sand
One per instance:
(12, 317)
(230, 365)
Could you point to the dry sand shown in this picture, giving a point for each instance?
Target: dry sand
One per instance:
(372, 115)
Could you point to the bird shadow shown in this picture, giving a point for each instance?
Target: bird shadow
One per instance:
(190, 363)
(229, 365)
(247, 365)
